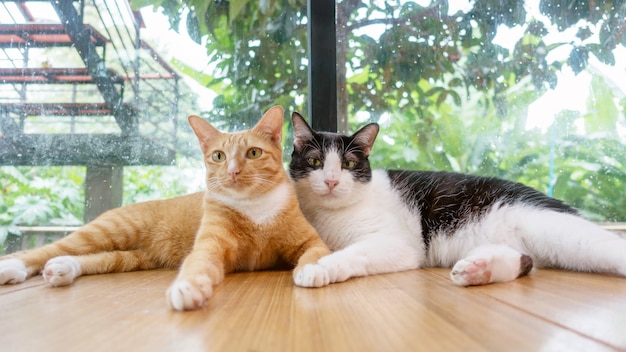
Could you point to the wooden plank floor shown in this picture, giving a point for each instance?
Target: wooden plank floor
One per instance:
(263, 311)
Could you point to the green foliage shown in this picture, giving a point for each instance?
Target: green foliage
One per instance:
(39, 196)
(589, 166)
(447, 97)
(244, 38)
(54, 196)
(142, 183)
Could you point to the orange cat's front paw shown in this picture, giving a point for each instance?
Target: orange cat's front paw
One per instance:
(189, 294)
(61, 271)
(12, 271)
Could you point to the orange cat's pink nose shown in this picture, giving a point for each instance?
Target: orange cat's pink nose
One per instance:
(233, 170)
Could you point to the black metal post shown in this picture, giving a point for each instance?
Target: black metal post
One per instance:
(322, 64)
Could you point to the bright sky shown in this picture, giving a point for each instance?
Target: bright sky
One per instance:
(174, 45)
(572, 91)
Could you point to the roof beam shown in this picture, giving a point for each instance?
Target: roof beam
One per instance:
(82, 149)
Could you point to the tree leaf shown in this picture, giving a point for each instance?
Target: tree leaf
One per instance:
(578, 59)
(31, 210)
(605, 56)
(236, 7)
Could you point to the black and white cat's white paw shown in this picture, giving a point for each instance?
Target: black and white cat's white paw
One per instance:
(61, 271)
(335, 267)
(311, 275)
(189, 294)
(12, 271)
(482, 270)
(471, 271)
(342, 266)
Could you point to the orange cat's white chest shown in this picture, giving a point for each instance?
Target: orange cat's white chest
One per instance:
(262, 208)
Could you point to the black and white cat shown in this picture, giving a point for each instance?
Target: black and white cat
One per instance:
(488, 230)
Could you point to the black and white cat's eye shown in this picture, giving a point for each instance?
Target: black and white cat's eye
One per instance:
(218, 156)
(348, 165)
(254, 153)
(314, 162)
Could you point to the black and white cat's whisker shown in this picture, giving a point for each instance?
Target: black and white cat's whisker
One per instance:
(352, 148)
(314, 145)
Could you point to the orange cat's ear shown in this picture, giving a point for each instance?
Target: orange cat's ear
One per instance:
(204, 131)
(271, 124)
(301, 130)
(366, 137)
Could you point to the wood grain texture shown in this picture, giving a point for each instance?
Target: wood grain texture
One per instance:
(264, 311)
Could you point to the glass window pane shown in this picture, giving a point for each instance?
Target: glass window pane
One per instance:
(86, 105)
(162, 64)
(527, 91)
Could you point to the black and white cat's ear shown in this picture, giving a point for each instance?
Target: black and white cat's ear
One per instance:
(203, 130)
(301, 130)
(271, 124)
(366, 136)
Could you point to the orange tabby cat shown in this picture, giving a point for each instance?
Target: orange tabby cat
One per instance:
(248, 219)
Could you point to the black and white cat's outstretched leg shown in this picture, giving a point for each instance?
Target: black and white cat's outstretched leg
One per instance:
(565, 241)
(369, 257)
(491, 263)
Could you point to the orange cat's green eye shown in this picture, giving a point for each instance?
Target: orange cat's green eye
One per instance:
(254, 153)
(314, 162)
(218, 156)
(349, 165)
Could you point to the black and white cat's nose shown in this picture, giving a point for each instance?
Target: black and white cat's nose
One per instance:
(331, 183)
